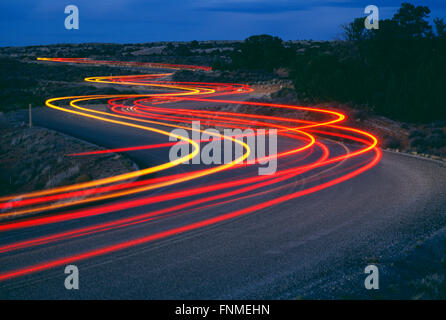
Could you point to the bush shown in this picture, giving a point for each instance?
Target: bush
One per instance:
(437, 131)
(417, 142)
(416, 133)
(436, 141)
(392, 142)
(262, 52)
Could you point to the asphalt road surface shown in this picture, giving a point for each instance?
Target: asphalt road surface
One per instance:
(314, 246)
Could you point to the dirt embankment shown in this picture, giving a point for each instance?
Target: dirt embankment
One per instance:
(37, 158)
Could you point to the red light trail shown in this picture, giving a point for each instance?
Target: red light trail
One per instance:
(314, 155)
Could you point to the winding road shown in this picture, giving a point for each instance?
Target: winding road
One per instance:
(172, 230)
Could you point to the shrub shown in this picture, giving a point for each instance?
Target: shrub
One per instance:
(392, 142)
(416, 133)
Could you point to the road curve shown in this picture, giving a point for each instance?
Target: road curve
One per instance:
(196, 231)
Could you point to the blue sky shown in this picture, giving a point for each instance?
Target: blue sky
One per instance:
(34, 22)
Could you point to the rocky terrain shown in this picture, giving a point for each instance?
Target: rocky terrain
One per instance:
(37, 158)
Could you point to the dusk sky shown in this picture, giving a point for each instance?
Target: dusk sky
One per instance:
(34, 22)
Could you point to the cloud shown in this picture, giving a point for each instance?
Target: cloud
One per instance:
(251, 6)
(42, 21)
(278, 6)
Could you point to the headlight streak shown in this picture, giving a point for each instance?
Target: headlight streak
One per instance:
(147, 113)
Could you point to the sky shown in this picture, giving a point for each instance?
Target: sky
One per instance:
(36, 22)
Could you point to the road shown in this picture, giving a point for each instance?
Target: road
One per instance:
(313, 244)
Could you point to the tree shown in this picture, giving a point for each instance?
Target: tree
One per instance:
(412, 21)
(263, 52)
(355, 31)
(398, 72)
(195, 44)
(440, 28)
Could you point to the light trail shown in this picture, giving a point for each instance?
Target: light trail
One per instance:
(306, 160)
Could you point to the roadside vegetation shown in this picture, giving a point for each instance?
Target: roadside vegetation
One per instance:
(23, 82)
(37, 158)
(396, 71)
